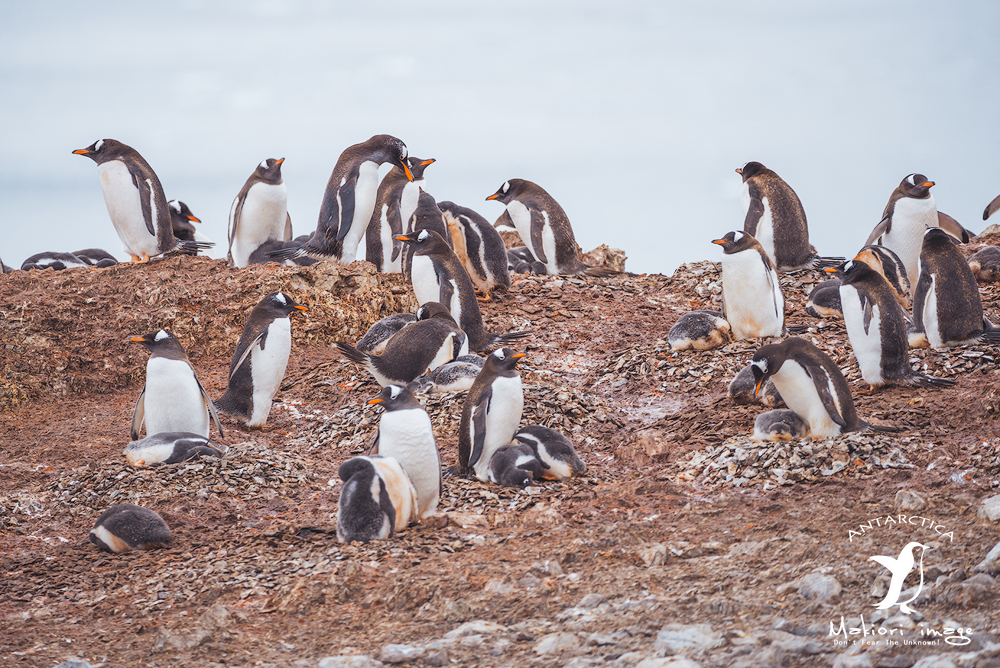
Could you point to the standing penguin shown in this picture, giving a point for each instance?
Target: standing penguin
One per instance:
(438, 276)
(947, 309)
(405, 433)
(172, 399)
(377, 498)
(811, 385)
(135, 200)
(349, 199)
(259, 213)
(396, 202)
(751, 295)
(543, 226)
(260, 359)
(479, 247)
(491, 413)
(776, 219)
(876, 328)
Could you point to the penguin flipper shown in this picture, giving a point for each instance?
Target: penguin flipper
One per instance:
(373, 447)
(445, 286)
(346, 196)
(246, 353)
(881, 228)
(919, 297)
(992, 207)
(953, 227)
(139, 414)
(287, 234)
(754, 213)
(145, 197)
(824, 390)
(211, 407)
(537, 224)
(234, 217)
(395, 219)
(479, 414)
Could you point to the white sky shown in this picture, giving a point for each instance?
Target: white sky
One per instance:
(634, 115)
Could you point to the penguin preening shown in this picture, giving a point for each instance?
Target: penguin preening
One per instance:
(947, 309)
(394, 205)
(405, 434)
(876, 327)
(349, 199)
(776, 219)
(172, 400)
(377, 337)
(128, 527)
(491, 413)
(751, 295)
(556, 453)
(135, 200)
(259, 363)
(170, 448)
(376, 499)
(438, 276)
(479, 247)
(699, 330)
(812, 385)
(259, 213)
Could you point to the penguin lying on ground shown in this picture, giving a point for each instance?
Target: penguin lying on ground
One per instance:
(96, 257)
(742, 390)
(169, 448)
(479, 247)
(985, 264)
(378, 335)
(128, 527)
(514, 465)
(491, 413)
(521, 261)
(779, 425)
(556, 453)
(457, 375)
(751, 295)
(699, 330)
(394, 206)
(269, 250)
(53, 260)
(259, 362)
(824, 300)
(376, 499)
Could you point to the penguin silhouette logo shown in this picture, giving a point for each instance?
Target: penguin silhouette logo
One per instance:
(900, 567)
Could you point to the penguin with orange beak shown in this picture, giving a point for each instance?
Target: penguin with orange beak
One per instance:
(491, 414)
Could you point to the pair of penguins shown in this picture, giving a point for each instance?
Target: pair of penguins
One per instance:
(402, 484)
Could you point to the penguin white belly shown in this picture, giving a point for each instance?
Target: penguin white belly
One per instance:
(456, 302)
(116, 544)
(149, 455)
(932, 328)
(402, 493)
(765, 231)
(557, 468)
(800, 395)
(386, 240)
(445, 353)
(549, 246)
(755, 306)
(173, 401)
(521, 217)
(909, 218)
(502, 420)
(262, 218)
(745, 197)
(867, 346)
(407, 436)
(408, 200)
(268, 368)
(125, 209)
(365, 194)
(425, 280)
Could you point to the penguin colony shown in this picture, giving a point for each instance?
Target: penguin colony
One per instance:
(454, 259)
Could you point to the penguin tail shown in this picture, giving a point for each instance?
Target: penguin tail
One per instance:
(919, 380)
(991, 337)
(511, 337)
(192, 247)
(797, 329)
(822, 262)
(290, 253)
(352, 353)
(865, 426)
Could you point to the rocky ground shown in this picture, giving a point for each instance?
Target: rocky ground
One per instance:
(684, 544)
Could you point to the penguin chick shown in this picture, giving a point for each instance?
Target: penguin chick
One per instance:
(521, 261)
(824, 300)
(779, 425)
(514, 465)
(751, 295)
(699, 330)
(741, 390)
(53, 260)
(96, 257)
(169, 448)
(985, 264)
(556, 452)
(375, 500)
(455, 376)
(378, 335)
(128, 527)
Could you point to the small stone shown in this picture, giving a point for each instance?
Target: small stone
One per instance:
(855, 661)
(393, 653)
(991, 564)
(990, 510)
(349, 661)
(818, 587)
(668, 662)
(653, 555)
(557, 643)
(592, 600)
(547, 567)
(75, 663)
(678, 638)
(908, 500)
(794, 644)
(437, 657)
(937, 661)
(478, 627)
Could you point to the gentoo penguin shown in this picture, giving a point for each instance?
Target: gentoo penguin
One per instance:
(127, 527)
(876, 328)
(985, 264)
(427, 216)
(514, 465)
(751, 295)
(479, 247)
(699, 330)
(405, 434)
(135, 200)
(378, 335)
(491, 413)
(172, 399)
(811, 385)
(824, 300)
(438, 276)
(776, 219)
(779, 425)
(260, 359)
(543, 226)
(394, 205)
(556, 452)
(992, 207)
(947, 310)
(350, 198)
(96, 257)
(428, 343)
(53, 260)
(181, 218)
(259, 213)
(376, 499)
(521, 261)
(169, 448)
(457, 375)
(268, 250)
(742, 390)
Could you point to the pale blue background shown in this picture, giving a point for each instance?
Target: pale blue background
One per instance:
(632, 114)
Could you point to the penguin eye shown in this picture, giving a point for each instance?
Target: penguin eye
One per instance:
(98, 145)
(263, 164)
(911, 180)
(506, 186)
(761, 364)
(848, 265)
(737, 236)
(175, 205)
(424, 235)
(281, 298)
(394, 391)
(162, 334)
(499, 353)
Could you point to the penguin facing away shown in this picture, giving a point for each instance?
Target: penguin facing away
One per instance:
(405, 434)
(127, 527)
(394, 205)
(172, 399)
(699, 330)
(491, 413)
(378, 335)
(479, 247)
(556, 453)
(259, 363)
(376, 499)
(169, 448)
(135, 200)
(779, 425)
(259, 213)
(514, 465)
(751, 295)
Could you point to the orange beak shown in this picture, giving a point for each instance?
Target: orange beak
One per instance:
(406, 170)
(928, 184)
(739, 170)
(376, 400)
(494, 196)
(81, 151)
(402, 237)
(756, 388)
(193, 219)
(138, 339)
(519, 355)
(279, 161)
(721, 242)
(427, 162)
(830, 270)
(301, 307)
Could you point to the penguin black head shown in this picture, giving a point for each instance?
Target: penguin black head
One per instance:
(766, 362)
(281, 304)
(430, 310)
(417, 166)
(750, 169)
(392, 150)
(103, 150)
(160, 342)
(851, 271)
(181, 209)
(736, 241)
(503, 359)
(426, 242)
(395, 398)
(935, 237)
(269, 171)
(509, 190)
(916, 185)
